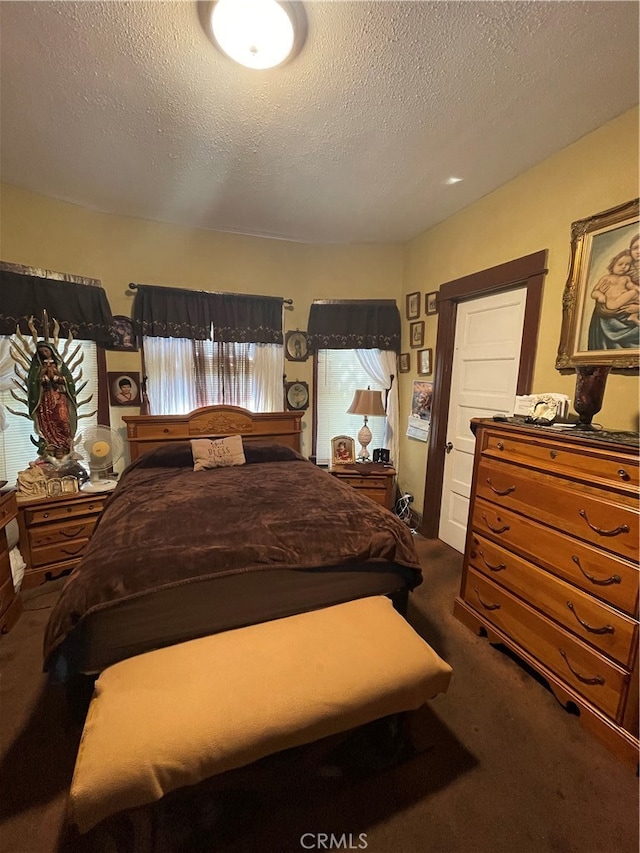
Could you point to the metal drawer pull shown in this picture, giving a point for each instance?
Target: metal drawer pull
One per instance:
(495, 529)
(500, 445)
(486, 606)
(71, 534)
(593, 578)
(624, 528)
(623, 474)
(503, 492)
(597, 679)
(72, 553)
(606, 629)
(497, 568)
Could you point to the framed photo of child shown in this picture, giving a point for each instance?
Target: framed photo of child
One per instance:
(124, 388)
(343, 450)
(601, 300)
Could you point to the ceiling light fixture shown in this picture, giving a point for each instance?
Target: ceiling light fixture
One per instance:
(256, 33)
(451, 181)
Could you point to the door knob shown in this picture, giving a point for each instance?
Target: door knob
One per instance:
(448, 447)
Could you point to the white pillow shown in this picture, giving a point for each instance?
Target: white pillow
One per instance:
(220, 453)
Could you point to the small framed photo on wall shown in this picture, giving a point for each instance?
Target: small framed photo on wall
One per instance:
(404, 362)
(416, 331)
(413, 306)
(122, 334)
(431, 302)
(424, 362)
(124, 388)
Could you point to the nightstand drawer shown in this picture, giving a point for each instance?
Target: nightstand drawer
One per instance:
(369, 483)
(73, 509)
(56, 553)
(50, 534)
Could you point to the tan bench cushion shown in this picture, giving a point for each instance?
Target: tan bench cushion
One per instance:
(178, 715)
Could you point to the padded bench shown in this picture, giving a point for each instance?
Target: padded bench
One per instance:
(175, 716)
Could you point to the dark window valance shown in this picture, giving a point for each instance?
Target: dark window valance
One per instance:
(171, 312)
(247, 319)
(168, 312)
(82, 310)
(354, 324)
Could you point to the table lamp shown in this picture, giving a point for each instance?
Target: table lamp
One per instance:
(369, 404)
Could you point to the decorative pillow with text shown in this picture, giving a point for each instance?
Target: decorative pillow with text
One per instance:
(217, 453)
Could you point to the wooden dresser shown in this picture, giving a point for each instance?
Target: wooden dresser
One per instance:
(551, 565)
(10, 603)
(376, 481)
(54, 533)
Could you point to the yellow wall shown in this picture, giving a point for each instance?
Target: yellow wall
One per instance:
(41, 232)
(532, 212)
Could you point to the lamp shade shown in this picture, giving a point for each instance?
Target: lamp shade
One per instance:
(367, 403)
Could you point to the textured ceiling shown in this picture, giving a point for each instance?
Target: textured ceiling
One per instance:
(126, 107)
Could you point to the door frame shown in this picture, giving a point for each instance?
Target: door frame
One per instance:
(528, 271)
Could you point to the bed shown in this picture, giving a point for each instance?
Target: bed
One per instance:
(179, 554)
(231, 612)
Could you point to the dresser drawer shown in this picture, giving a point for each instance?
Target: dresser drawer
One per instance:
(598, 572)
(70, 550)
(591, 465)
(601, 517)
(8, 509)
(50, 534)
(7, 594)
(44, 514)
(600, 681)
(594, 622)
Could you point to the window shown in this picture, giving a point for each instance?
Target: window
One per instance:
(183, 375)
(16, 447)
(339, 374)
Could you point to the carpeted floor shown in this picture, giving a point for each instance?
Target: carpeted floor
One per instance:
(503, 768)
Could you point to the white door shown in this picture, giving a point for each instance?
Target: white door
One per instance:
(484, 376)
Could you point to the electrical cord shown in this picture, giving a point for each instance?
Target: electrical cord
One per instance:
(403, 510)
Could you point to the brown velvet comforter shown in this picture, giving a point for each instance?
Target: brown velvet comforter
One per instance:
(166, 525)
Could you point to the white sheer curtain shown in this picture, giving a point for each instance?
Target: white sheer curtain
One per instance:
(268, 373)
(170, 370)
(381, 365)
(181, 377)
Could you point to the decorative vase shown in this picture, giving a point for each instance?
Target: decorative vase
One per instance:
(590, 386)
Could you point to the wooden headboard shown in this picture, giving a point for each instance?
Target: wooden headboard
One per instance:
(146, 432)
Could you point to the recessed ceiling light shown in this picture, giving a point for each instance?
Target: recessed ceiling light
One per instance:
(256, 33)
(452, 180)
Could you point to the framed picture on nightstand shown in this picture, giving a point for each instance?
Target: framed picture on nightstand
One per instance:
(343, 450)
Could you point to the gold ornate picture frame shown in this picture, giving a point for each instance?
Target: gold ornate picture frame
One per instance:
(601, 300)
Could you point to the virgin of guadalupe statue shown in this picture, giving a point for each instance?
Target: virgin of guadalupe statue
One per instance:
(49, 380)
(52, 400)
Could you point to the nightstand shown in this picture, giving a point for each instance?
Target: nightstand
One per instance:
(54, 533)
(373, 480)
(10, 603)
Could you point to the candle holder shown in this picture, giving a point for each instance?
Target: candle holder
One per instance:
(590, 385)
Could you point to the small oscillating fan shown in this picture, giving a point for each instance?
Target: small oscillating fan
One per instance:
(103, 447)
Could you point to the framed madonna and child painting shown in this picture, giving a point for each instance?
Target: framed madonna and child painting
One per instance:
(601, 300)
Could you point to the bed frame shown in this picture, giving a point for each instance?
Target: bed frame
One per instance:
(147, 432)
